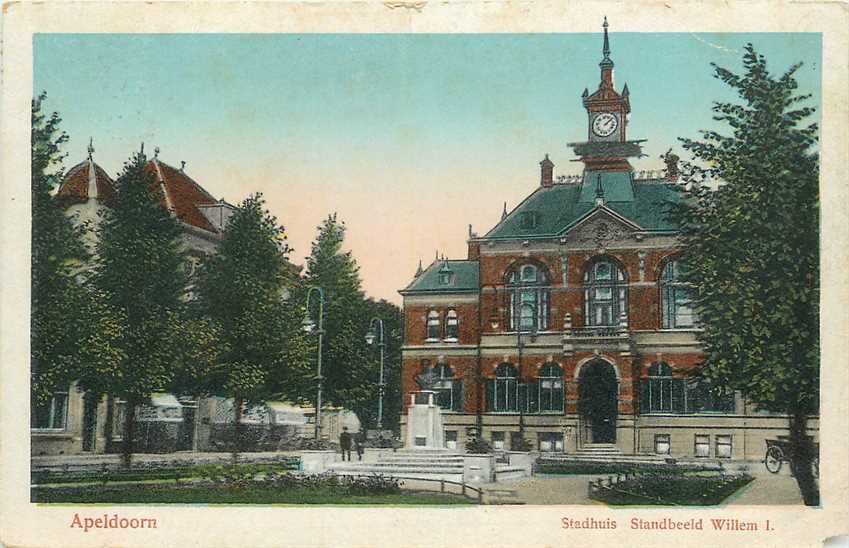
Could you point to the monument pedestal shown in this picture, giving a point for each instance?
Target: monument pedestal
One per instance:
(424, 422)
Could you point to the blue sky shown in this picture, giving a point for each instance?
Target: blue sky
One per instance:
(409, 137)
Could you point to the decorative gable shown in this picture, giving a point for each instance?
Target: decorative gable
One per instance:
(602, 228)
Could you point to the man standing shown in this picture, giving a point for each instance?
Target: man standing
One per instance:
(345, 442)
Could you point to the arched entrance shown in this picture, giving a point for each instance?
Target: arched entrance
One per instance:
(598, 391)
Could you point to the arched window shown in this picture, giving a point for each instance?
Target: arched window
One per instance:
(550, 388)
(452, 325)
(449, 391)
(529, 299)
(433, 327)
(605, 294)
(503, 391)
(657, 393)
(676, 298)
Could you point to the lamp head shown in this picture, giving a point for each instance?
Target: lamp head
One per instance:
(370, 336)
(308, 325)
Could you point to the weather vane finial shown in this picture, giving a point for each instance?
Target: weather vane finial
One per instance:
(606, 49)
(90, 147)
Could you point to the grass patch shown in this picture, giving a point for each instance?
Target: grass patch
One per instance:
(141, 473)
(678, 490)
(248, 493)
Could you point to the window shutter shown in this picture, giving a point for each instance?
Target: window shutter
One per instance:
(557, 403)
(678, 388)
(644, 396)
(490, 395)
(457, 402)
(532, 391)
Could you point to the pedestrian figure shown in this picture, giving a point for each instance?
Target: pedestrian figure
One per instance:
(360, 442)
(345, 442)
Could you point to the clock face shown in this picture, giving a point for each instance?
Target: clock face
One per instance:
(604, 124)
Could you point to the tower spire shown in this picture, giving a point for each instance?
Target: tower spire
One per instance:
(606, 62)
(606, 49)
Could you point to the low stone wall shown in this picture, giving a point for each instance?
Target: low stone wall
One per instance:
(478, 468)
(317, 462)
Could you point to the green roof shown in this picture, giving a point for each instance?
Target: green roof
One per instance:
(462, 276)
(616, 186)
(551, 211)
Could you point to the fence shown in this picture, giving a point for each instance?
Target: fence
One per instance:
(464, 487)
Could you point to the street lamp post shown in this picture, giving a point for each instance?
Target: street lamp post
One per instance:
(309, 325)
(370, 337)
(519, 346)
(493, 320)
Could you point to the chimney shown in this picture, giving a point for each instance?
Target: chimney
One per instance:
(546, 172)
(671, 161)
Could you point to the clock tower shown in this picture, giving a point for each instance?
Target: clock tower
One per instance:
(607, 110)
(608, 176)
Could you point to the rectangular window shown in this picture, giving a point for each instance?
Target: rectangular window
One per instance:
(451, 439)
(551, 441)
(723, 447)
(498, 440)
(433, 327)
(662, 445)
(702, 445)
(51, 416)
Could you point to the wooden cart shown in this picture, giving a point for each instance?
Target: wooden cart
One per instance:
(779, 451)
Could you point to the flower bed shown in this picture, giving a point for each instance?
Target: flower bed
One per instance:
(673, 490)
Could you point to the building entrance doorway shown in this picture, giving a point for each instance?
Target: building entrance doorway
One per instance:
(598, 392)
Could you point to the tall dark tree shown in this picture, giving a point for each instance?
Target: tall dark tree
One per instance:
(243, 288)
(141, 277)
(345, 314)
(70, 331)
(361, 395)
(751, 241)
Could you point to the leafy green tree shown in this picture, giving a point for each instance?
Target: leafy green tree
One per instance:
(243, 289)
(362, 394)
(751, 240)
(70, 331)
(345, 314)
(141, 277)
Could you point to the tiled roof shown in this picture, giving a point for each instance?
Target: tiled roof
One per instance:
(557, 208)
(182, 194)
(83, 179)
(464, 276)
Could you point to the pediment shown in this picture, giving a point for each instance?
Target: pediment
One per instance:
(601, 228)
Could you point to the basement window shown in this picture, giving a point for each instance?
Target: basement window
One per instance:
(662, 446)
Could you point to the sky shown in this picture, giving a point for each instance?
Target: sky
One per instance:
(408, 137)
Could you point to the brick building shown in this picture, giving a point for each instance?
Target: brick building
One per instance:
(567, 325)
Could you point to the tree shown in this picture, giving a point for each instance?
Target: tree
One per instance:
(751, 243)
(242, 289)
(345, 314)
(362, 395)
(141, 279)
(70, 331)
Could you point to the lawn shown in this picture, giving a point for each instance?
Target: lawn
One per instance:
(683, 490)
(252, 493)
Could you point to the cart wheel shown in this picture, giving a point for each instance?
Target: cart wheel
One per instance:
(773, 460)
(815, 466)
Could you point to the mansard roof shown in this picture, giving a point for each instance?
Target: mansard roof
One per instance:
(556, 209)
(465, 276)
(85, 181)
